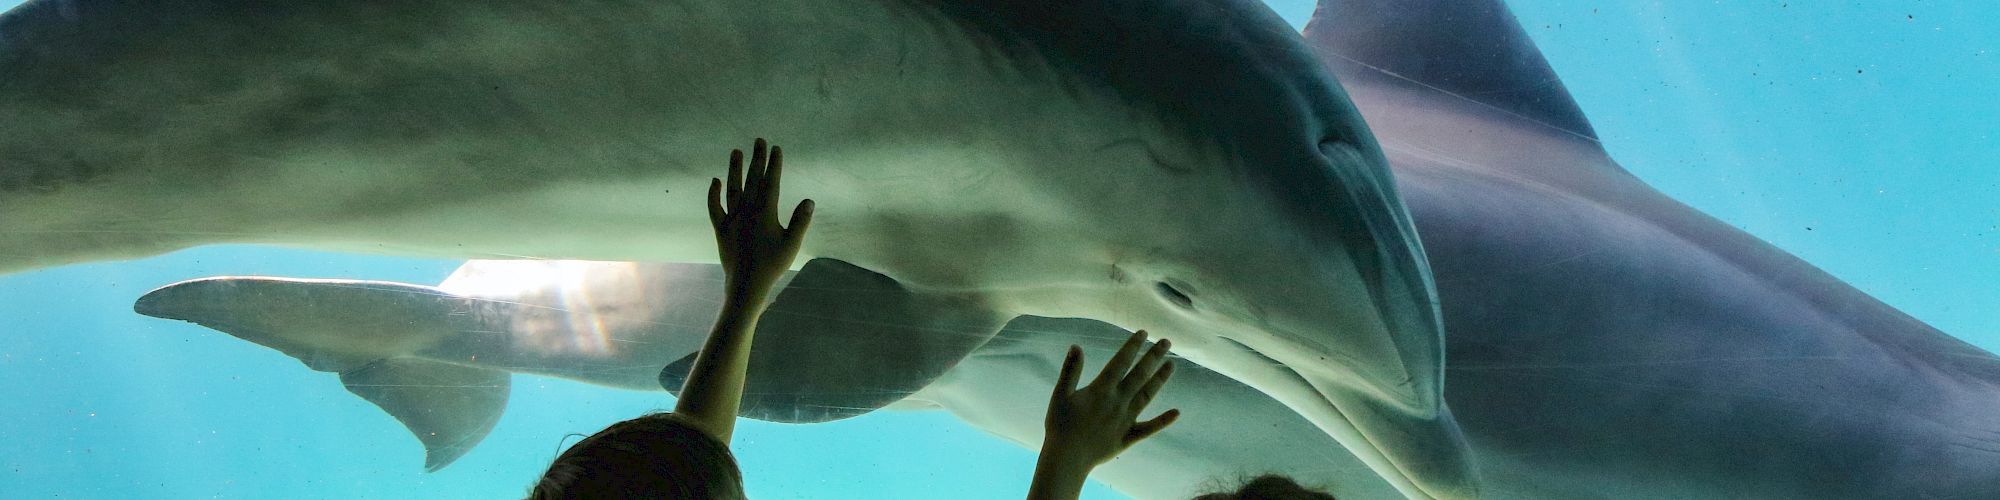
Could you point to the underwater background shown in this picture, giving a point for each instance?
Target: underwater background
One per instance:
(1859, 136)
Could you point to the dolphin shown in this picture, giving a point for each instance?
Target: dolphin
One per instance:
(1606, 341)
(1181, 166)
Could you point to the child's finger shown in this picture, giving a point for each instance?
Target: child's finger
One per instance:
(1146, 429)
(771, 175)
(1143, 371)
(1115, 369)
(1152, 388)
(802, 218)
(1066, 379)
(735, 187)
(753, 179)
(715, 212)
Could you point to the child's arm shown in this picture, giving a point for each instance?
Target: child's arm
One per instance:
(1088, 427)
(755, 252)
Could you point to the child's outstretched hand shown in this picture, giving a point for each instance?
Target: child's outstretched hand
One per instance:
(755, 251)
(1087, 427)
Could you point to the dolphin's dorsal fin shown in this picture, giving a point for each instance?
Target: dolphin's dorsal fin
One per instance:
(841, 341)
(1471, 49)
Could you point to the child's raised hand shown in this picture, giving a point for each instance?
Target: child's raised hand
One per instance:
(755, 250)
(1087, 427)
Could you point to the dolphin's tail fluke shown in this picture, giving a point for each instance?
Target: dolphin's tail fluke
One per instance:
(450, 408)
(365, 331)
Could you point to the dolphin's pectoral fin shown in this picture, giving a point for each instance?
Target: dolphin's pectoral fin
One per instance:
(842, 341)
(450, 408)
(675, 374)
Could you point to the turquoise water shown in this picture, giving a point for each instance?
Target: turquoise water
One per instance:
(1858, 136)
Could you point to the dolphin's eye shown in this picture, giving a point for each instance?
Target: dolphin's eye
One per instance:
(1174, 295)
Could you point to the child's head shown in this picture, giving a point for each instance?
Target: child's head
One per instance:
(1269, 487)
(654, 456)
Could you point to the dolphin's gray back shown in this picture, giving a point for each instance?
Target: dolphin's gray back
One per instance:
(1195, 55)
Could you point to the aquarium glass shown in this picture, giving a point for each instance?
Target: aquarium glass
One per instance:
(1858, 137)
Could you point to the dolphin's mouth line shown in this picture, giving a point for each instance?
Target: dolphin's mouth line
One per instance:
(1373, 454)
(1379, 453)
(1375, 450)
(1407, 398)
